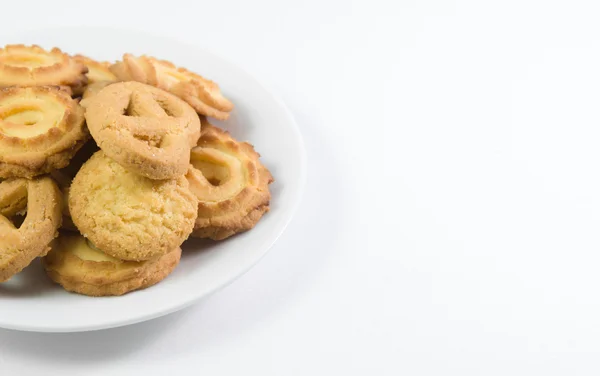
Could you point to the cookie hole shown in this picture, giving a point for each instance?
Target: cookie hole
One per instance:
(214, 173)
(152, 141)
(17, 220)
(165, 107)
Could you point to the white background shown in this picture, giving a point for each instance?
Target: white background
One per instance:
(450, 223)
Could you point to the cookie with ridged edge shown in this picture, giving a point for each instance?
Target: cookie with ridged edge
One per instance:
(41, 200)
(97, 70)
(80, 267)
(202, 94)
(41, 128)
(128, 216)
(22, 65)
(230, 182)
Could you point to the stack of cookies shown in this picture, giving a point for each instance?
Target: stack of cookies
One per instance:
(106, 169)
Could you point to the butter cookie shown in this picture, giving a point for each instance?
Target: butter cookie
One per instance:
(41, 200)
(231, 184)
(22, 65)
(145, 129)
(202, 94)
(78, 266)
(97, 71)
(128, 216)
(41, 128)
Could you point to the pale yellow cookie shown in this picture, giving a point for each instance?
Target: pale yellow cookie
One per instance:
(230, 182)
(78, 266)
(145, 129)
(41, 128)
(202, 94)
(128, 216)
(22, 65)
(41, 200)
(97, 71)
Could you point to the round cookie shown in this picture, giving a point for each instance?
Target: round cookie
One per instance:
(78, 266)
(202, 94)
(145, 129)
(128, 216)
(41, 128)
(230, 182)
(22, 65)
(41, 200)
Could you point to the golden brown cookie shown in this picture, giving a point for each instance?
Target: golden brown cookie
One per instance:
(145, 129)
(41, 200)
(128, 216)
(93, 89)
(231, 184)
(202, 94)
(97, 71)
(78, 266)
(22, 65)
(41, 128)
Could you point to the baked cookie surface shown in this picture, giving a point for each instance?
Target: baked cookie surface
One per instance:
(145, 129)
(22, 65)
(78, 266)
(202, 94)
(41, 128)
(97, 70)
(41, 200)
(230, 182)
(128, 216)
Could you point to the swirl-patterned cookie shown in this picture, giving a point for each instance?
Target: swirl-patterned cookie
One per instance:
(78, 266)
(230, 182)
(22, 65)
(41, 128)
(128, 216)
(145, 129)
(202, 94)
(41, 200)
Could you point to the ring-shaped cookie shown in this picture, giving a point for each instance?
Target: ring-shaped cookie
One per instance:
(41, 200)
(230, 182)
(127, 215)
(145, 129)
(76, 265)
(41, 128)
(22, 65)
(202, 94)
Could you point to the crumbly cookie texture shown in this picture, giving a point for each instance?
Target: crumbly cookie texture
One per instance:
(22, 65)
(202, 94)
(97, 70)
(145, 129)
(41, 200)
(41, 128)
(80, 267)
(231, 184)
(128, 216)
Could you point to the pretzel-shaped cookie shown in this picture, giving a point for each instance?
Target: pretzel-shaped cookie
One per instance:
(202, 94)
(19, 246)
(231, 184)
(143, 128)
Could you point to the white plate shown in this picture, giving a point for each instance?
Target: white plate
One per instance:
(31, 302)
